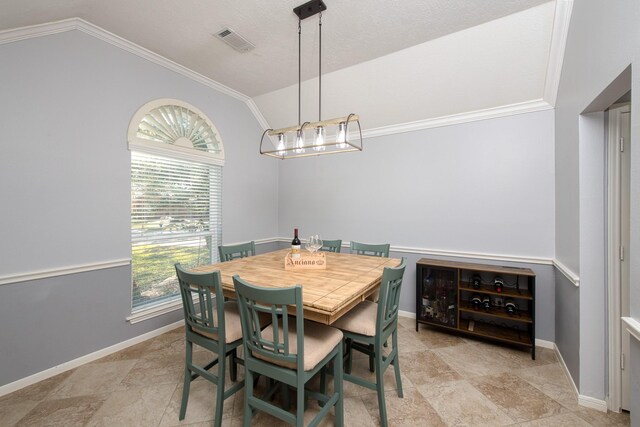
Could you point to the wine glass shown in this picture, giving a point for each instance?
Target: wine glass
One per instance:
(311, 244)
(318, 242)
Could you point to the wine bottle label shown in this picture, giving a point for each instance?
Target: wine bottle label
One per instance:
(295, 251)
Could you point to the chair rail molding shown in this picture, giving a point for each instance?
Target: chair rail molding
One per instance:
(633, 326)
(62, 271)
(573, 278)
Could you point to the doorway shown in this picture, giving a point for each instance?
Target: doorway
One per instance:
(619, 162)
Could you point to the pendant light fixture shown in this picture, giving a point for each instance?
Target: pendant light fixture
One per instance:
(313, 138)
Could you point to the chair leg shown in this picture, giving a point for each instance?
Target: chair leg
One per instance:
(233, 365)
(337, 387)
(380, 389)
(188, 360)
(248, 393)
(348, 352)
(220, 390)
(371, 358)
(300, 401)
(396, 365)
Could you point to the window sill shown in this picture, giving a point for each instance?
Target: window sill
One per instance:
(154, 311)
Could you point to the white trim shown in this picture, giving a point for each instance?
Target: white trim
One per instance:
(561, 23)
(633, 327)
(586, 401)
(573, 278)
(163, 149)
(456, 254)
(592, 402)
(253, 107)
(63, 367)
(455, 119)
(407, 314)
(545, 344)
(62, 271)
(173, 304)
(566, 370)
(23, 33)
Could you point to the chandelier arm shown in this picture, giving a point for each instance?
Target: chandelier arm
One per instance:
(262, 139)
(357, 120)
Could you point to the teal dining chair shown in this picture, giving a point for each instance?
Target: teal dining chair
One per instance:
(368, 326)
(370, 250)
(331, 245)
(242, 250)
(290, 351)
(214, 325)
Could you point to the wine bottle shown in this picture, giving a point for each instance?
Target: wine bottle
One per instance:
(295, 245)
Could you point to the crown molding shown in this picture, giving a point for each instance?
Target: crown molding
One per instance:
(561, 22)
(471, 116)
(40, 30)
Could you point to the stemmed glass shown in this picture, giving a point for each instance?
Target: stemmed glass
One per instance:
(314, 243)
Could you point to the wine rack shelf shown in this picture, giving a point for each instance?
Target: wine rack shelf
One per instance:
(492, 302)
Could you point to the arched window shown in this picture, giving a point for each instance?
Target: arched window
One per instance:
(176, 190)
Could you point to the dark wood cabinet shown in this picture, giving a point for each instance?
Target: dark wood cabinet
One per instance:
(488, 301)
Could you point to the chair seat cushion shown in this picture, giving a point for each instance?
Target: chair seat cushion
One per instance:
(233, 327)
(319, 341)
(360, 320)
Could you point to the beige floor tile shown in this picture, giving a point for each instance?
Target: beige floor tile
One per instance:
(93, 378)
(563, 420)
(602, 419)
(470, 360)
(520, 400)
(16, 405)
(67, 412)
(435, 338)
(135, 406)
(360, 369)
(552, 381)
(426, 367)
(460, 404)
(201, 405)
(412, 409)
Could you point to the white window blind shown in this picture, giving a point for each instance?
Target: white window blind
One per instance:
(176, 216)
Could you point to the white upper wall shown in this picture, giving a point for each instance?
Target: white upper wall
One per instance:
(495, 64)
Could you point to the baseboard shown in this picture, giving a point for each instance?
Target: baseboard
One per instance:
(63, 367)
(592, 402)
(586, 401)
(406, 314)
(545, 344)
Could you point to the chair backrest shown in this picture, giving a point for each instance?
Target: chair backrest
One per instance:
(389, 300)
(243, 250)
(207, 287)
(254, 300)
(331, 245)
(370, 250)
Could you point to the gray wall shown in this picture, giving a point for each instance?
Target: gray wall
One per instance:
(567, 324)
(602, 42)
(66, 103)
(485, 187)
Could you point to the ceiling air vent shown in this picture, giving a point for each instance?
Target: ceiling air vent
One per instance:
(234, 40)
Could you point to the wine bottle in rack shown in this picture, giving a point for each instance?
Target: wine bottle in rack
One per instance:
(295, 245)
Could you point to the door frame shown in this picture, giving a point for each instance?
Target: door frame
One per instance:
(613, 256)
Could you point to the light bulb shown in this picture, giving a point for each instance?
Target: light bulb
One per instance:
(299, 142)
(319, 143)
(341, 139)
(281, 144)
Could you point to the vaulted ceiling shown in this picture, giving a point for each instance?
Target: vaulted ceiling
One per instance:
(375, 53)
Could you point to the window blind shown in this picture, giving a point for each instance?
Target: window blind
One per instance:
(176, 216)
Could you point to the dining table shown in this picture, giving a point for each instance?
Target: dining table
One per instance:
(327, 294)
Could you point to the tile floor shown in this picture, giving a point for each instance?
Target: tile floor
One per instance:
(447, 381)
